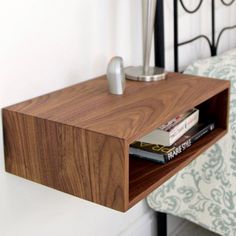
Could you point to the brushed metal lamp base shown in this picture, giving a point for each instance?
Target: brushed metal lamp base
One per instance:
(137, 73)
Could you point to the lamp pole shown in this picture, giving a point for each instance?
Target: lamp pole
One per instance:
(145, 72)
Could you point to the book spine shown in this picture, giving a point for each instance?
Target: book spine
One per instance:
(138, 152)
(166, 159)
(183, 127)
(172, 123)
(151, 159)
(188, 143)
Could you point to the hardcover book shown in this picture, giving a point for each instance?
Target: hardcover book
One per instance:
(163, 154)
(170, 132)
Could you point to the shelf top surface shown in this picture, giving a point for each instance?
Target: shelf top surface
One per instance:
(143, 107)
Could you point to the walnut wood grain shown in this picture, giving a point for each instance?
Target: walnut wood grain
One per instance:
(144, 106)
(77, 139)
(79, 162)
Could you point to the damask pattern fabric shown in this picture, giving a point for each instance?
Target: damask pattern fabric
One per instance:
(205, 191)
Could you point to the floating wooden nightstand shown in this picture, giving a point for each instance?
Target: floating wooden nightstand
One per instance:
(77, 139)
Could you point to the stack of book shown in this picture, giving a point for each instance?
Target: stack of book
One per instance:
(172, 138)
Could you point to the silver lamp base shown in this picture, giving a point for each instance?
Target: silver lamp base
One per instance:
(137, 73)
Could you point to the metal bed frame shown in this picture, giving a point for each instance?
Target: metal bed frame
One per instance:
(159, 52)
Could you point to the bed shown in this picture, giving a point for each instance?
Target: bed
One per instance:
(205, 191)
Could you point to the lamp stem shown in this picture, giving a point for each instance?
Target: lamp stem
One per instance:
(145, 72)
(149, 12)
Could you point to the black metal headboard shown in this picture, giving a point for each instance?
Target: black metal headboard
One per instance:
(213, 42)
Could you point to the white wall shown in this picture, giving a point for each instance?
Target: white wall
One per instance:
(47, 45)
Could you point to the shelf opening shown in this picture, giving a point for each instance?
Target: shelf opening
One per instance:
(145, 176)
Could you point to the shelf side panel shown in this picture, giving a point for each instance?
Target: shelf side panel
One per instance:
(216, 108)
(72, 160)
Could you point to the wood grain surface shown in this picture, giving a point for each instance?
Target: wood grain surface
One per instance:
(142, 108)
(77, 139)
(79, 162)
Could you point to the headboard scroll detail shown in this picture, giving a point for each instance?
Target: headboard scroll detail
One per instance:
(213, 42)
(191, 11)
